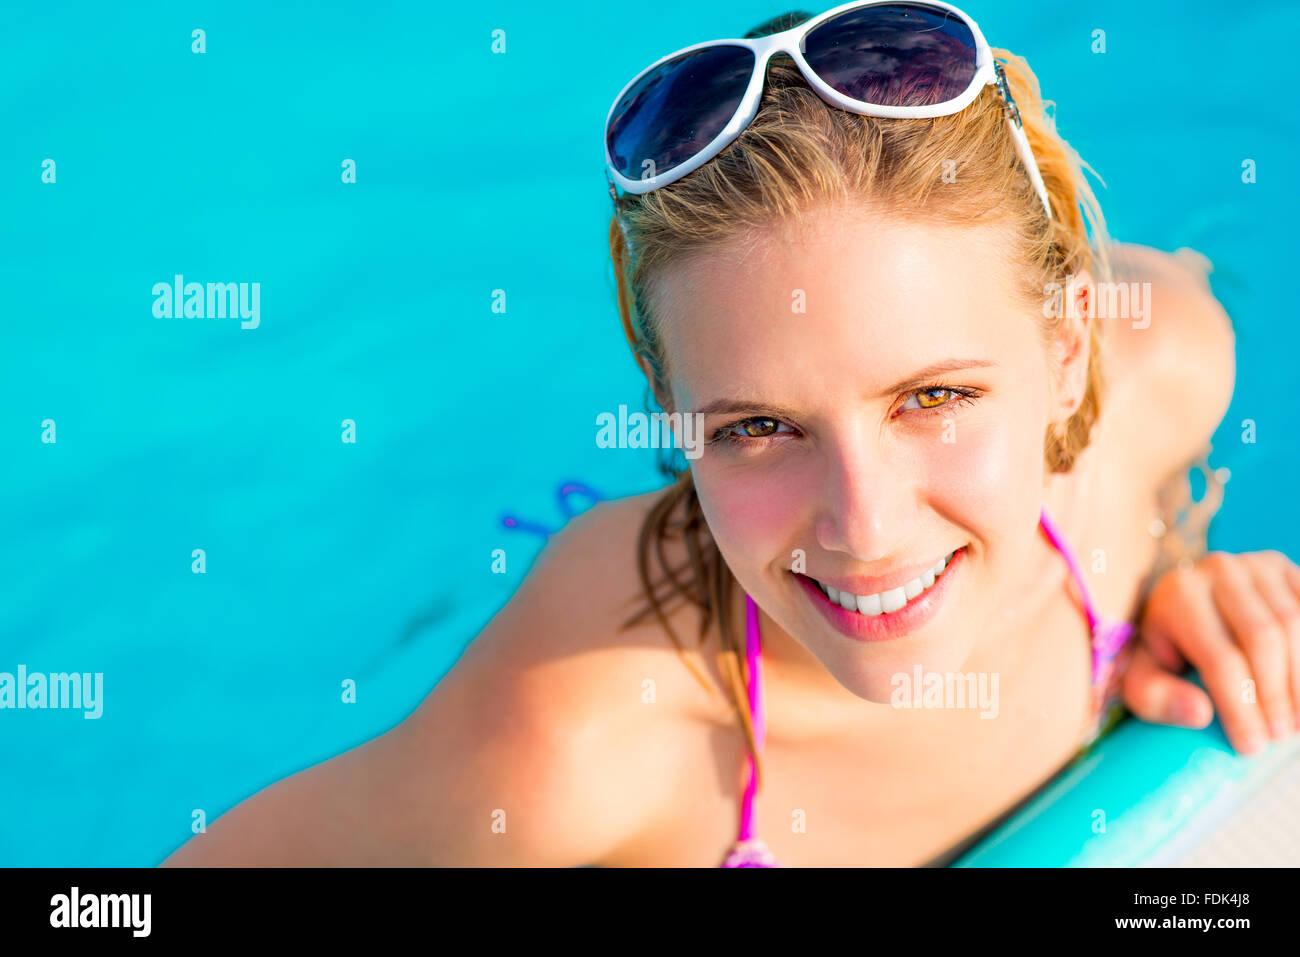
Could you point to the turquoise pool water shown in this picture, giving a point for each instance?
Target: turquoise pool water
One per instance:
(371, 561)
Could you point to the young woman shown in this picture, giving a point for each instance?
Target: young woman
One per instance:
(859, 250)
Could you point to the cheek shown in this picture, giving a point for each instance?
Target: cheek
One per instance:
(990, 483)
(749, 511)
(991, 465)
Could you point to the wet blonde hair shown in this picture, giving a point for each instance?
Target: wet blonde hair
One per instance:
(799, 154)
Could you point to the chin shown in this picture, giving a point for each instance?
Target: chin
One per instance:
(878, 679)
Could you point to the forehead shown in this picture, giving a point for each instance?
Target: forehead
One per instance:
(845, 298)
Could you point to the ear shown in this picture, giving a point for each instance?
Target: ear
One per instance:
(1070, 350)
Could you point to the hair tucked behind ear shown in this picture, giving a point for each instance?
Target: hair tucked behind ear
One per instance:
(801, 153)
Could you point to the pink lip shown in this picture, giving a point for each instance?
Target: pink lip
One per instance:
(885, 627)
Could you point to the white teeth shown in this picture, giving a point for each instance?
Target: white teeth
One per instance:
(889, 601)
(893, 599)
(869, 605)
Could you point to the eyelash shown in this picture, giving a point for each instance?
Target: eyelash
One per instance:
(961, 396)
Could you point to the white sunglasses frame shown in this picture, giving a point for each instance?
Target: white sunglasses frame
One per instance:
(987, 73)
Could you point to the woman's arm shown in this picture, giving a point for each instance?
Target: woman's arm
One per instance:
(357, 808)
(518, 757)
(424, 793)
(1178, 363)
(1236, 618)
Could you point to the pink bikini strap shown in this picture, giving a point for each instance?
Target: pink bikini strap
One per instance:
(1108, 637)
(754, 661)
(1072, 563)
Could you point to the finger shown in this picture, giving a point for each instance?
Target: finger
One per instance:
(1162, 648)
(1207, 644)
(1154, 694)
(1292, 574)
(1258, 633)
(1270, 580)
(1165, 600)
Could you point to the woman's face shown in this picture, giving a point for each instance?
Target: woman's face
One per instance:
(849, 463)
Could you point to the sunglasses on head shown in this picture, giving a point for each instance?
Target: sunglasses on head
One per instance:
(877, 58)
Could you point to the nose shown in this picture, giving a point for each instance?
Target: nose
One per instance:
(867, 505)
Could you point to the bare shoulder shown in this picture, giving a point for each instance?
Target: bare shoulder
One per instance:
(1171, 370)
(569, 722)
(574, 601)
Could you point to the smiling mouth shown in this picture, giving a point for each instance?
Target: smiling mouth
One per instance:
(892, 600)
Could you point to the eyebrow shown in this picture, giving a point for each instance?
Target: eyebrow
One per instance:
(917, 378)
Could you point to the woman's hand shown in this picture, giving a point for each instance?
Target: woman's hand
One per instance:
(1236, 618)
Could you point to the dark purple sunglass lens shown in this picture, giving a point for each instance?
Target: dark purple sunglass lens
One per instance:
(677, 109)
(894, 54)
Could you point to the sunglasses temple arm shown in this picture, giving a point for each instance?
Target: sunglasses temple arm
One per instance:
(1031, 166)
